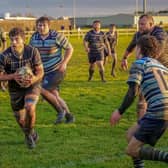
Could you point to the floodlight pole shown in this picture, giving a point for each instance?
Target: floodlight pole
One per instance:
(74, 14)
(144, 6)
(136, 14)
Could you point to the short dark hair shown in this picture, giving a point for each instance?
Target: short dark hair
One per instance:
(112, 25)
(43, 19)
(17, 31)
(149, 17)
(149, 46)
(96, 21)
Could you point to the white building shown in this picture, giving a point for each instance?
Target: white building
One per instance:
(8, 17)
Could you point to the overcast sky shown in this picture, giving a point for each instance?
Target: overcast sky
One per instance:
(57, 8)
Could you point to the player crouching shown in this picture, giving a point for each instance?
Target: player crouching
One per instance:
(23, 83)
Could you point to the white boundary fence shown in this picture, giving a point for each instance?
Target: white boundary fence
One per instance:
(82, 32)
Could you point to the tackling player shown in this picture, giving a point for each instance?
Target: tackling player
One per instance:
(149, 76)
(146, 26)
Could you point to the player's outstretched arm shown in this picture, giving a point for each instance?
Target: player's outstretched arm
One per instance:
(124, 62)
(115, 117)
(127, 101)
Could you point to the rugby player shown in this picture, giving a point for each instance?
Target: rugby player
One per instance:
(151, 77)
(50, 44)
(94, 43)
(23, 100)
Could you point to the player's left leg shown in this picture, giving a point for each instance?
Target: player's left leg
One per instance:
(99, 62)
(31, 99)
(131, 131)
(114, 56)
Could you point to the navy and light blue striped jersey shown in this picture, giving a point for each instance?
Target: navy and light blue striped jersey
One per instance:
(50, 49)
(96, 41)
(153, 80)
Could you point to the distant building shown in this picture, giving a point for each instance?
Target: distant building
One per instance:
(8, 17)
(28, 23)
(121, 20)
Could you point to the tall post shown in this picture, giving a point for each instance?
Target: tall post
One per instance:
(144, 6)
(136, 13)
(74, 14)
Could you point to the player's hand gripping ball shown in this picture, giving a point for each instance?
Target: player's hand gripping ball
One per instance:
(26, 74)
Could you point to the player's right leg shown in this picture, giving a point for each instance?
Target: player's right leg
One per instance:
(99, 62)
(17, 103)
(149, 132)
(92, 60)
(91, 71)
(50, 83)
(68, 115)
(137, 162)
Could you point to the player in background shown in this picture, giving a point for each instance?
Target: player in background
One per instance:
(112, 37)
(94, 43)
(3, 45)
(146, 26)
(23, 99)
(50, 44)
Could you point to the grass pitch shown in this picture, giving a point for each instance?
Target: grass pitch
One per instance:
(88, 143)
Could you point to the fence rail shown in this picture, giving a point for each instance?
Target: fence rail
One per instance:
(81, 33)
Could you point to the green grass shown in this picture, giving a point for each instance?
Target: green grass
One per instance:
(88, 143)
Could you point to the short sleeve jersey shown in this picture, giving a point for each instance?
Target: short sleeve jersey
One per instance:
(112, 39)
(50, 49)
(96, 41)
(152, 77)
(9, 62)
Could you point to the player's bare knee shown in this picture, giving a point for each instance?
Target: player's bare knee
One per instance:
(22, 122)
(129, 134)
(131, 151)
(16, 115)
(19, 119)
(29, 108)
